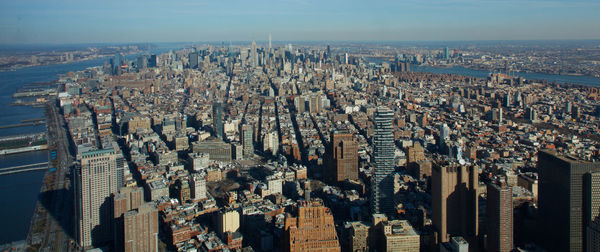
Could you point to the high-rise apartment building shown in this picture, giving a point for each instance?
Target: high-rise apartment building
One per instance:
(141, 229)
(217, 117)
(454, 200)
(342, 156)
(228, 221)
(97, 176)
(499, 218)
(382, 185)
(127, 199)
(310, 228)
(561, 190)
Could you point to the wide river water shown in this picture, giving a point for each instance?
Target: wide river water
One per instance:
(20, 191)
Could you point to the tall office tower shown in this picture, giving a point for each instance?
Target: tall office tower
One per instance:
(382, 186)
(328, 51)
(270, 43)
(342, 156)
(499, 218)
(116, 63)
(247, 140)
(127, 199)
(561, 200)
(218, 120)
(153, 62)
(346, 58)
(454, 200)
(310, 227)
(253, 55)
(446, 53)
(141, 229)
(142, 62)
(591, 210)
(193, 60)
(531, 114)
(507, 100)
(499, 113)
(96, 179)
(593, 236)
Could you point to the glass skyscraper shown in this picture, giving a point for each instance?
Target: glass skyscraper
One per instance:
(382, 184)
(218, 119)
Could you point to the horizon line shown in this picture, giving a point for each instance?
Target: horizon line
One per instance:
(297, 41)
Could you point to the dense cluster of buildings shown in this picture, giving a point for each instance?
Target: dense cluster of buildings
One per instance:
(311, 149)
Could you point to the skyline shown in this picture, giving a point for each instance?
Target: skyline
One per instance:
(40, 22)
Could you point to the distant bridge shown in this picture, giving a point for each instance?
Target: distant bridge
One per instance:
(24, 168)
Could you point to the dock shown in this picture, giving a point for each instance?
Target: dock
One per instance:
(23, 143)
(35, 93)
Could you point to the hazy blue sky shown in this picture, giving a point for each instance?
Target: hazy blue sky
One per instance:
(77, 21)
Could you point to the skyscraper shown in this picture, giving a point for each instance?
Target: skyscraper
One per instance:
(153, 61)
(593, 236)
(499, 218)
(218, 120)
(446, 53)
(382, 185)
(142, 62)
(247, 142)
(270, 42)
(454, 200)
(591, 210)
(253, 55)
(561, 188)
(193, 60)
(310, 228)
(342, 156)
(97, 177)
(116, 63)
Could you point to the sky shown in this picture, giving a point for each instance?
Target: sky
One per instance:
(127, 21)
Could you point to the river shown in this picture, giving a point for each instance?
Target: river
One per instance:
(458, 70)
(20, 191)
(563, 79)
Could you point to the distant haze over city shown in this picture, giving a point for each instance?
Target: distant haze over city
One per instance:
(59, 22)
